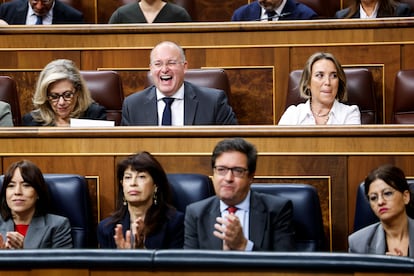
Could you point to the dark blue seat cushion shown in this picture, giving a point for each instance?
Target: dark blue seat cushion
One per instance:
(188, 188)
(307, 215)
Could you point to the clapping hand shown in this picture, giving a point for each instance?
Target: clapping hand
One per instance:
(230, 231)
(396, 252)
(14, 240)
(137, 231)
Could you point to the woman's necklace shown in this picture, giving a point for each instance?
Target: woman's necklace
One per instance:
(320, 118)
(320, 115)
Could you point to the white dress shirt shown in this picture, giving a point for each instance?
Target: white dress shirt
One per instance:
(340, 114)
(243, 210)
(31, 17)
(362, 13)
(177, 107)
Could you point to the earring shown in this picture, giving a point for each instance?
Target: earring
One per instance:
(154, 197)
(125, 203)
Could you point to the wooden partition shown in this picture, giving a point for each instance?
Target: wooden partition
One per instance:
(333, 159)
(257, 57)
(99, 11)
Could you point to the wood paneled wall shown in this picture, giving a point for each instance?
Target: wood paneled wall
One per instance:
(99, 11)
(257, 57)
(333, 159)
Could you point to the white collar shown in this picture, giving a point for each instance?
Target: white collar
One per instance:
(362, 13)
(244, 205)
(177, 95)
(278, 10)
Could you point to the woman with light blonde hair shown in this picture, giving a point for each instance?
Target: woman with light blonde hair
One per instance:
(61, 94)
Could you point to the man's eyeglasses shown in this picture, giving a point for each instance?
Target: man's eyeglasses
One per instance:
(236, 171)
(386, 195)
(169, 64)
(44, 2)
(67, 96)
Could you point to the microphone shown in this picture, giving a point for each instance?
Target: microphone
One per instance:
(275, 16)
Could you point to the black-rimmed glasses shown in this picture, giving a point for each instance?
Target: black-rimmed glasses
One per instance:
(236, 171)
(67, 96)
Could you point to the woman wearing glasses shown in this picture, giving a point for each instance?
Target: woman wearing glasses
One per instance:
(61, 94)
(390, 199)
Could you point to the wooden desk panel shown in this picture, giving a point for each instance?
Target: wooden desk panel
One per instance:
(257, 56)
(99, 11)
(334, 159)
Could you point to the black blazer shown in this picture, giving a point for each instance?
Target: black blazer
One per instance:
(15, 13)
(171, 234)
(293, 10)
(94, 112)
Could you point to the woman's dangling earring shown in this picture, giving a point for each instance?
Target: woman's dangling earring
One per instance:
(125, 203)
(154, 197)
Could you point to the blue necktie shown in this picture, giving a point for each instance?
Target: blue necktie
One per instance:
(39, 20)
(166, 116)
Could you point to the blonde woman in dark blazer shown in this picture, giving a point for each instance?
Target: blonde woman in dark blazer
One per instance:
(61, 94)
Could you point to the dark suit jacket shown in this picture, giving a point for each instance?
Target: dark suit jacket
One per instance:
(371, 239)
(94, 112)
(15, 12)
(49, 231)
(402, 10)
(270, 221)
(202, 106)
(171, 235)
(292, 9)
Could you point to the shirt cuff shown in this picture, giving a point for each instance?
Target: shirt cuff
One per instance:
(249, 246)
